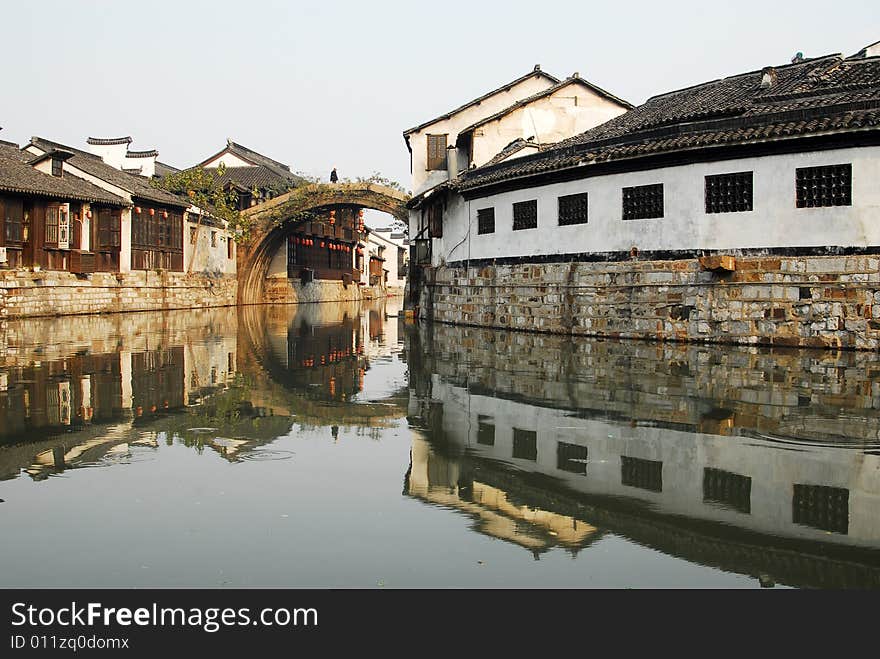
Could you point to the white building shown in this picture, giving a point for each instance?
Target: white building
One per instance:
(779, 159)
(385, 260)
(537, 106)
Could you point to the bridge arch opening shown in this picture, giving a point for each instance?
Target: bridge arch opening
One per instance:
(308, 215)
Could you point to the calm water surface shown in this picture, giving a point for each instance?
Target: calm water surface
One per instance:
(335, 445)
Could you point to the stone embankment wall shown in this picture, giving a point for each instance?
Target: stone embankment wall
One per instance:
(815, 395)
(808, 301)
(280, 290)
(50, 293)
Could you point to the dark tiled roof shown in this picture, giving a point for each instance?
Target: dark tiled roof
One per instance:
(515, 147)
(821, 95)
(258, 159)
(108, 140)
(163, 169)
(259, 177)
(537, 72)
(543, 94)
(152, 153)
(16, 175)
(137, 186)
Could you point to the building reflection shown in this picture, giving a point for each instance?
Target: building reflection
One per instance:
(687, 450)
(110, 385)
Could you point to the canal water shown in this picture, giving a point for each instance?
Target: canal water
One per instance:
(337, 445)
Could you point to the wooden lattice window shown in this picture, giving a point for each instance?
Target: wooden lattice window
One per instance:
(729, 193)
(571, 458)
(525, 215)
(436, 152)
(108, 229)
(830, 185)
(525, 444)
(53, 216)
(643, 202)
(435, 220)
(822, 507)
(12, 211)
(486, 220)
(485, 431)
(573, 209)
(57, 167)
(728, 489)
(644, 474)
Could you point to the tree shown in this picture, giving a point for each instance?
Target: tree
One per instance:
(205, 192)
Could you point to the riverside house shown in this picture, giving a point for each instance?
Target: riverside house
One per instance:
(254, 177)
(148, 233)
(743, 209)
(49, 219)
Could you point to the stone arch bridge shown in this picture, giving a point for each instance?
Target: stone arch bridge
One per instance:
(272, 222)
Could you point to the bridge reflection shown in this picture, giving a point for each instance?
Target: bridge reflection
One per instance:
(215, 379)
(684, 449)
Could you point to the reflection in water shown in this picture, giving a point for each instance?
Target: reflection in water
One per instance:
(763, 463)
(116, 382)
(633, 461)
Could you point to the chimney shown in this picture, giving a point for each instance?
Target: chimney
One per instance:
(110, 149)
(768, 77)
(452, 161)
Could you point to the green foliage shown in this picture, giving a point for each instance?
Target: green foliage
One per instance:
(378, 179)
(204, 190)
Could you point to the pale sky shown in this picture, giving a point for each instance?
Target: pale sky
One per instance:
(334, 83)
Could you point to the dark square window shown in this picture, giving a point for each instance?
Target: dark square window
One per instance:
(486, 220)
(728, 489)
(57, 167)
(485, 431)
(644, 474)
(729, 193)
(573, 209)
(643, 202)
(525, 215)
(824, 508)
(830, 185)
(525, 444)
(571, 458)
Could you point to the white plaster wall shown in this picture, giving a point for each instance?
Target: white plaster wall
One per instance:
(201, 256)
(774, 222)
(146, 165)
(424, 179)
(228, 159)
(374, 241)
(112, 154)
(567, 112)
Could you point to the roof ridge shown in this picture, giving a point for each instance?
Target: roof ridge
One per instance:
(109, 140)
(541, 94)
(811, 60)
(536, 71)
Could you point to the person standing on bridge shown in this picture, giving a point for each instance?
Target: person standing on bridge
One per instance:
(333, 177)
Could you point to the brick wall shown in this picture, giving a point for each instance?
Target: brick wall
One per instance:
(49, 293)
(809, 301)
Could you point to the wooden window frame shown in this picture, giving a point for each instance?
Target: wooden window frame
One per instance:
(485, 221)
(437, 161)
(573, 209)
(643, 202)
(824, 186)
(525, 215)
(729, 193)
